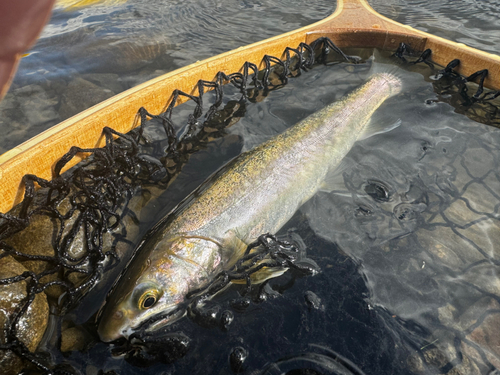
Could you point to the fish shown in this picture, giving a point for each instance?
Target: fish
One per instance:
(255, 193)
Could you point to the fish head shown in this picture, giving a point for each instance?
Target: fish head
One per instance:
(121, 318)
(155, 283)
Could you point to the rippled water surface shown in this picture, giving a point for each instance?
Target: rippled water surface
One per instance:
(89, 54)
(472, 22)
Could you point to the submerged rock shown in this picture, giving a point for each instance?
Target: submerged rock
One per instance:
(40, 238)
(481, 323)
(106, 81)
(113, 55)
(29, 241)
(32, 324)
(74, 338)
(441, 353)
(81, 95)
(449, 249)
(36, 105)
(435, 358)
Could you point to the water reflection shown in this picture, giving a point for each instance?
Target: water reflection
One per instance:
(471, 22)
(74, 4)
(88, 54)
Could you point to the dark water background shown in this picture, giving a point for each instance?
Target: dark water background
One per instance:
(394, 279)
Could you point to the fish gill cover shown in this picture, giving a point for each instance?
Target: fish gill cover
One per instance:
(90, 218)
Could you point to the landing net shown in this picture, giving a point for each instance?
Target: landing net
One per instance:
(87, 211)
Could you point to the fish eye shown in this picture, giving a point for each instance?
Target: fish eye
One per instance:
(147, 295)
(147, 300)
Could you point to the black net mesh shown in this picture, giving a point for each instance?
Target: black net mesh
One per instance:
(86, 214)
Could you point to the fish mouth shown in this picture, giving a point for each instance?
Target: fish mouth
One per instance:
(161, 320)
(113, 328)
(118, 326)
(107, 337)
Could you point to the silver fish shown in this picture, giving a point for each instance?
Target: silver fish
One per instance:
(256, 193)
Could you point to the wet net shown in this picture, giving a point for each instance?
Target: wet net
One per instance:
(87, 209)
(88, 215)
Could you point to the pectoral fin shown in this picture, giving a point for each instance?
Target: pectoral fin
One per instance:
(262, 275)
(237, 248)
(234, 247)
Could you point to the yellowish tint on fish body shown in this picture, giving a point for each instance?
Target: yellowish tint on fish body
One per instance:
(257, 192)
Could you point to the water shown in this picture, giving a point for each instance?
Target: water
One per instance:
(88, 55)
(85, 56)
(471, 22)
(405, 242)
